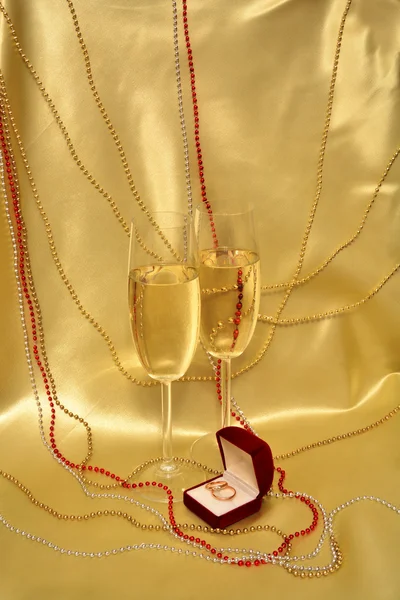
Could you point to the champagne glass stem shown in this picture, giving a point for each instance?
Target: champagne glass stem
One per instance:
(167, 464)
(226, 391)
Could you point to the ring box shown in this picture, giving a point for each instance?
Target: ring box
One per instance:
(249, 469)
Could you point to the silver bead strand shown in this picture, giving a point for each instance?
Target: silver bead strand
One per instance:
(42, 434)
(284, 561)
(181, 110)
(187, 164)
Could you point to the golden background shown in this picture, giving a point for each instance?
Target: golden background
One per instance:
(262, 73)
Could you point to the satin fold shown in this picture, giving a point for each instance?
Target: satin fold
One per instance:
(262, 78)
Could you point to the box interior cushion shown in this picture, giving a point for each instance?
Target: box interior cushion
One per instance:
(244, 494)
(239, 474)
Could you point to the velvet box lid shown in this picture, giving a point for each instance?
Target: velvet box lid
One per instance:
(249, 469)
(259, 451)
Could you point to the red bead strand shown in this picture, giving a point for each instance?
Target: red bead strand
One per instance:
(21, 267)
(206, 546)
(22, 245)
(200, 164)
(203, 184)
(238, 313)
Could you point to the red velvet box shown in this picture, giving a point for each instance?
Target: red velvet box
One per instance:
(249, 468)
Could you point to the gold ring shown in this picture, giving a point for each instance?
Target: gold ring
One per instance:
(216, 485)
(225, 488)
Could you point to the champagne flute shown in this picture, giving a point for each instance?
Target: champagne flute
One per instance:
(164, 306)
(230, 298)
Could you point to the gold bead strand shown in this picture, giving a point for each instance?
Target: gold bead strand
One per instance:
(57, 261)
(71, 517)
(68, 140)
(209, 378)
(340, 437)
(115, 135)
(143, 526)
(310, 221)
(330, 313)
(39, 321)
(53, 248)
(350, 240)
(321, 159)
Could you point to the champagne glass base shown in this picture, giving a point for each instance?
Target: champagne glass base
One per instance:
(206, 451)
(177, 476)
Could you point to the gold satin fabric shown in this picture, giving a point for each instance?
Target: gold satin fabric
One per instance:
(262, 73)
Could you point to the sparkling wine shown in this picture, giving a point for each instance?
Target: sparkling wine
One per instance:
(229, 310)
(164, 305)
